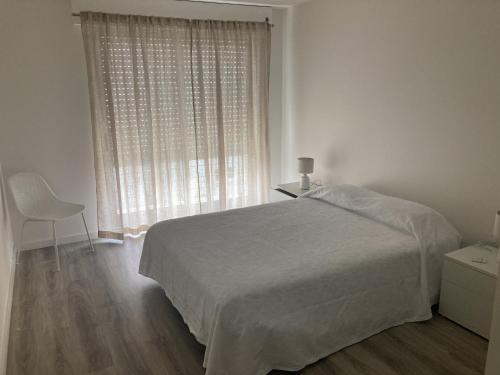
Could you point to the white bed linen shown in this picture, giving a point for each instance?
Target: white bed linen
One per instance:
(282, 285)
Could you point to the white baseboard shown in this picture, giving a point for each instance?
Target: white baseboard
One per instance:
(60, 240)
(4, 341)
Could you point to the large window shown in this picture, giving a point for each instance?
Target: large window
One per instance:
(179, 112)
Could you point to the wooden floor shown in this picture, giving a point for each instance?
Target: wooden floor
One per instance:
(98, 316)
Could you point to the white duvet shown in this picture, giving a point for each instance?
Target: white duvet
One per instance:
(282, 285)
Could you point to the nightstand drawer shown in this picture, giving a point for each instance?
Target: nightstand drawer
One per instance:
(466, 307)
(469, 279)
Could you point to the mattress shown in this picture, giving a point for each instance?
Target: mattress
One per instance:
(281, 285)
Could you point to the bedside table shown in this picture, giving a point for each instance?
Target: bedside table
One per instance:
(292, 189)
(468, 288)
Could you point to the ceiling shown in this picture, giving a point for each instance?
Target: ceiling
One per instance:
(272, 3)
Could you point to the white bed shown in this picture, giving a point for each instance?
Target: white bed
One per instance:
(282, 285)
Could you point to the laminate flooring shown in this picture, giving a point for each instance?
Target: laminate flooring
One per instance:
(99, 316)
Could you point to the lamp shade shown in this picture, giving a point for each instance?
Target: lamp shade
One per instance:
(306, 165)
(496, 228)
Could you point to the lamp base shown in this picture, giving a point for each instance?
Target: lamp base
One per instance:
(304, 182)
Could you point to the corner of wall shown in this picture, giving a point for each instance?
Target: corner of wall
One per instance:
(5, 327)
(288, 143)
(7, 272)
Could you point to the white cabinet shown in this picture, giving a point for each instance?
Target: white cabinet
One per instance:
(493, 361)
(468, 287)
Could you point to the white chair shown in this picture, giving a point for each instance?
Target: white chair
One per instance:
(36, 201)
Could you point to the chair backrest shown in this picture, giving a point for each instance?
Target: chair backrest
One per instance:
(30, 192)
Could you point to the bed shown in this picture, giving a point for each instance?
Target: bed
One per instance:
(281, 285)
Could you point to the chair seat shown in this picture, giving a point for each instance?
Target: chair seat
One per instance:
(55, 210)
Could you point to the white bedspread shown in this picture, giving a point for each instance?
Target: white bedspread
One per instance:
(282, 285)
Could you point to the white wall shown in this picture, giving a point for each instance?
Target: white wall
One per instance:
(289, 91)
(45, 115)
(7, 270)
(276, 99)
(403, 97)
(44, 123)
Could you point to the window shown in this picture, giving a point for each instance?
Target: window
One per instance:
(179, 116)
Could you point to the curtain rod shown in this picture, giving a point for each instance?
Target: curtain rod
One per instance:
(228, 3)
(267, 18)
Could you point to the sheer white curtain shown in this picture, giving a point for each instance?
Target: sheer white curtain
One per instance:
(179, 115)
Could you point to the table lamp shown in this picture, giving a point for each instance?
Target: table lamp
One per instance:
(306, 166)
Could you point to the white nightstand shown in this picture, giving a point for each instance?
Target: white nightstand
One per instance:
(468, 288)
(292, 189)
